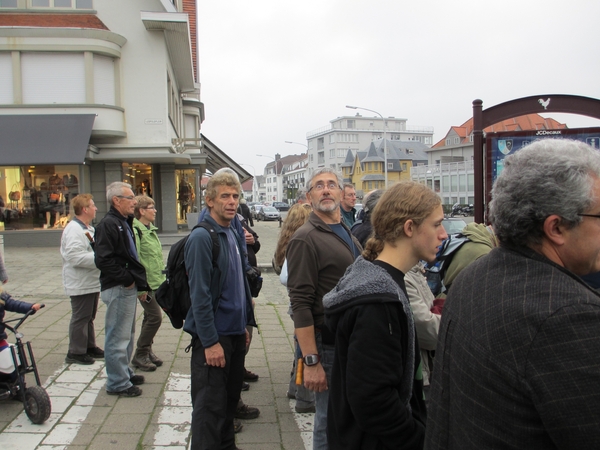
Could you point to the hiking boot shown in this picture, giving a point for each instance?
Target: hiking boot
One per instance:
(155, 359)
(136, 380)
(246, 412)
(95, 352)
(305, 409)
(237, 426)
(85, 359)
(132, 391)
(249, 376)
(143, 363)
(245, 386)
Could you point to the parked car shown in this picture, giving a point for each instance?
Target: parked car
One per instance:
(358, 207)
(453, 225)
(281, 206)
(268, 213)
(255, 209)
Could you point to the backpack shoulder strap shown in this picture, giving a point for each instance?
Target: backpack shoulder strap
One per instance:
(216, 244)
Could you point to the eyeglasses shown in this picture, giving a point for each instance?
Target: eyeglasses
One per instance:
(128, 197)
(597, 216)
(320, 186)
(350, 195)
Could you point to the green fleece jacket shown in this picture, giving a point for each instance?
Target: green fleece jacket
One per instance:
(482, 241)
(150, 254)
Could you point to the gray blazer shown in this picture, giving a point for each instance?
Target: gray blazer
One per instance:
(518, 359)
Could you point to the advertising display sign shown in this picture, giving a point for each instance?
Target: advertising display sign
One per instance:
(500, 145)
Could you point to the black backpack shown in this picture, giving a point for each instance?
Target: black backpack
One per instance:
(173, 295)
(436, 271)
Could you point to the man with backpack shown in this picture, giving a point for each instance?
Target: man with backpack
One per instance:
(221, 307)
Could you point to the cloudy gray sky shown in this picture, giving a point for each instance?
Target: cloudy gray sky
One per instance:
(273, 70)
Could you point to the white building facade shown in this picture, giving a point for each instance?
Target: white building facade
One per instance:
(97, 91)
(328, 146)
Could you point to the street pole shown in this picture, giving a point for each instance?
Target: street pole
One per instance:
(385, 164)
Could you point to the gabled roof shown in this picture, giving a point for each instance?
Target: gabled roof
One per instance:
(526, 122)
(52, 21)
(349, 161)
(397, 151)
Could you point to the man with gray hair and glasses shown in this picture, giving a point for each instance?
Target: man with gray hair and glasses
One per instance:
(317, 257)
(121, 276)
(517, 364)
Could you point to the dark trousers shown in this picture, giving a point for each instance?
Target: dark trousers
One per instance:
(150, 324)
(215, 394)
(81, 328)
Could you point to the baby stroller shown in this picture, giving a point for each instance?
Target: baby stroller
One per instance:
(15, 363)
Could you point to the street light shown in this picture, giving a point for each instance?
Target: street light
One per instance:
(276, 174)
(384, 140)
(297, 143)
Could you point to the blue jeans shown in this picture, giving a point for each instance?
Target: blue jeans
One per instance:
(326, 352)
(119, 335)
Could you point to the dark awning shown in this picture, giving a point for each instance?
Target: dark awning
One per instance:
(44, 139)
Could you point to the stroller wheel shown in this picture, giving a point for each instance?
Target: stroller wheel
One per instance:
(37, 404)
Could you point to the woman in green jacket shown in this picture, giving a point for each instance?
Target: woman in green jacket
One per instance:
(150, 254)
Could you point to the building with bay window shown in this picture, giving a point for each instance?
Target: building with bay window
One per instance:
(96, 91)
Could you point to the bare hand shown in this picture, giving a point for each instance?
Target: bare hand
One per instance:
(249, 237)
(143, 297)
(36, 307)
(315, 378)
(215, 356)
(5, 281)
(247, 338)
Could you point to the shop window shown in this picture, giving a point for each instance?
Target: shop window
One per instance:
(186, 194)
(139, 176)
(37, 197)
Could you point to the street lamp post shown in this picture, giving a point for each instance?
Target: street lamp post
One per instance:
(385, 165)
(276, 174)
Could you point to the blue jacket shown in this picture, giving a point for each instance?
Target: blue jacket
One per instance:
(206, 282)
(7, 303)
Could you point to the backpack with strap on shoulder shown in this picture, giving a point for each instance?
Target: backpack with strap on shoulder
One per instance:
(173, 295)
(436, 271)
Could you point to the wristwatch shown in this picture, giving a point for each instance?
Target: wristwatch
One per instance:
(311, 360)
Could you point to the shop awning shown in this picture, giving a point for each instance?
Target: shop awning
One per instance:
(44, 139)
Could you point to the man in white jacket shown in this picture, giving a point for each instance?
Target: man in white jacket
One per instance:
(81, 280)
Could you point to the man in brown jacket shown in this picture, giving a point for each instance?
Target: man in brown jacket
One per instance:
(317, 257)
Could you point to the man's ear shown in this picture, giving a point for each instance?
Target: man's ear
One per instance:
(409, 228)
(554, 229)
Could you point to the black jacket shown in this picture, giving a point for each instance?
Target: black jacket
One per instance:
(376, 391)
(116, 263)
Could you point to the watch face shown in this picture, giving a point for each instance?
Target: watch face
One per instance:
(311, 360)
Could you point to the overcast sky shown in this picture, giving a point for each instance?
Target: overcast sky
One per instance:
(273, 70)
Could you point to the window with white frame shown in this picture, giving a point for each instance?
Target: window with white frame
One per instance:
(104, 80)
(448, 141)
(342, 152)
(332, 138)
(66, 4)
(350, 123)
(390, 165)
(6, 86)
(53, 77)
(8, 3)
(457, 140)
(320, 143)
(332, 153)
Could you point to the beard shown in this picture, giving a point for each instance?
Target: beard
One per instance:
(326, 208)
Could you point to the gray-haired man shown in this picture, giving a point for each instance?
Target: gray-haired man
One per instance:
(517, 363)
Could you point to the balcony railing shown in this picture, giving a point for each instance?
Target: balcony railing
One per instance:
(445, 168)
(414, 130)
